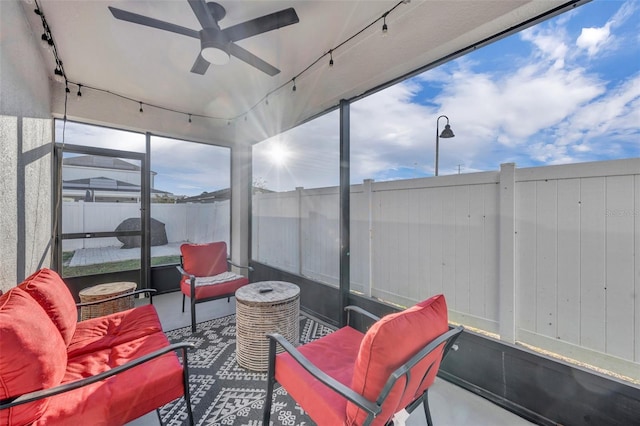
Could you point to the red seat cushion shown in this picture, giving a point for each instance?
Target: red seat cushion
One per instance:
(110, 330)
(334, 354)
(215, 290)
(47, 288)
(204, 260)
(33, 354)
(123, 397)
(388, 344)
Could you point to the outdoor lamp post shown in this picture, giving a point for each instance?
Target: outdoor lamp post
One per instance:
(446, 133)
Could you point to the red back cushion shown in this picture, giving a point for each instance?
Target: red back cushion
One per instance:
(33, 355)
(387, 345)
(47, 288)
(204, 260)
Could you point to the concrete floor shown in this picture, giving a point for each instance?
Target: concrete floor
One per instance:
(450, 405)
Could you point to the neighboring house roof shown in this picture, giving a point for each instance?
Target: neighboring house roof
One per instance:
(105, 184)
(219, 195)
(208, 197)
(98, 161)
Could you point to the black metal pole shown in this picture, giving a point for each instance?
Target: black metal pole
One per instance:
(437, 146)
(345, 213)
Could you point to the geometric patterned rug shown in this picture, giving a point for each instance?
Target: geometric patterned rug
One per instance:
(222, 392)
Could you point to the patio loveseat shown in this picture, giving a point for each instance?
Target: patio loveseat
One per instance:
(102, 371)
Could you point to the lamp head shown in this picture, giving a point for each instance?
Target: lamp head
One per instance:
(447, 132)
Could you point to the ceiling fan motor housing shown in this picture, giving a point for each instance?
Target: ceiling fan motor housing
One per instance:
(215, 46)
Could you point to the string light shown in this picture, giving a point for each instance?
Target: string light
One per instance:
(141, 110)
(79, 94)
(385, 28)
(189, 118)
(66, 87)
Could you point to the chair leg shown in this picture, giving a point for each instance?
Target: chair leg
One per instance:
(425, 404)
(187, 394)
(183, 297)
(271, 379)
(193, 315)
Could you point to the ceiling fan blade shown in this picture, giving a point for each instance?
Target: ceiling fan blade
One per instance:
(261, 25)
(151, 22)
(251, 59)
(201, 11)
(200, 66)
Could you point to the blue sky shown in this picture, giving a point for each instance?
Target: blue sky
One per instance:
(564, 91)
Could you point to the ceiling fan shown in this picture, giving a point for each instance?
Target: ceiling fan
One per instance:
(216, 44)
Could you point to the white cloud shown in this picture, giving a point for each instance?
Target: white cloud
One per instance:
(594, 39)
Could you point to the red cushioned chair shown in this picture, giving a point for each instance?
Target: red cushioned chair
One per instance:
(109, 370)
(351, 378)
(205, 275)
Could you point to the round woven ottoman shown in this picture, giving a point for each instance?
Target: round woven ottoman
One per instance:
(261, 308)
(104, 291)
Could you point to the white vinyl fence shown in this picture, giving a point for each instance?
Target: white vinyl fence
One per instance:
(546, 256)
(196, 223)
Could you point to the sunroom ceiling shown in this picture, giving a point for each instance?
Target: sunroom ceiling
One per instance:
(153, 66)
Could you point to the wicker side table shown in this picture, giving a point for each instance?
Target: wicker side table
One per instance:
(259, 313)
(104, 291)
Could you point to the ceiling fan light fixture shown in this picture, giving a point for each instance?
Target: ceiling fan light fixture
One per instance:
(215, 56)
(215, 46)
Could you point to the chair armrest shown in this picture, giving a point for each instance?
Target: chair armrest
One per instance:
(46, 393)
(248, 268)
(151, 291)
(448, 338)
(185, 273)
(361, 311)
(371, 407)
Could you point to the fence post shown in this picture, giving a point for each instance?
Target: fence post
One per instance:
(299, 190)
(367, 186)
(507, 259)
(83, 213)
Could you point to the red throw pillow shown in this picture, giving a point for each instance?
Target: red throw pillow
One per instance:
(387, 345)
(47, 288)
(33, 355)
(204, 260)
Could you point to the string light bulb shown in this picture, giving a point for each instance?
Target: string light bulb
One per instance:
(58, 75)
(79, 94)
(385, 28)
(189, 118)
(141, 110)
(47, 41)
(331, 58)
(294, 84)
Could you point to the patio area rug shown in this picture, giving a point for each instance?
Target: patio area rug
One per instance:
(223, 393)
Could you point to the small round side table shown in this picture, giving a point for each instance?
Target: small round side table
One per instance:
(260, 311)
(104, 291)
